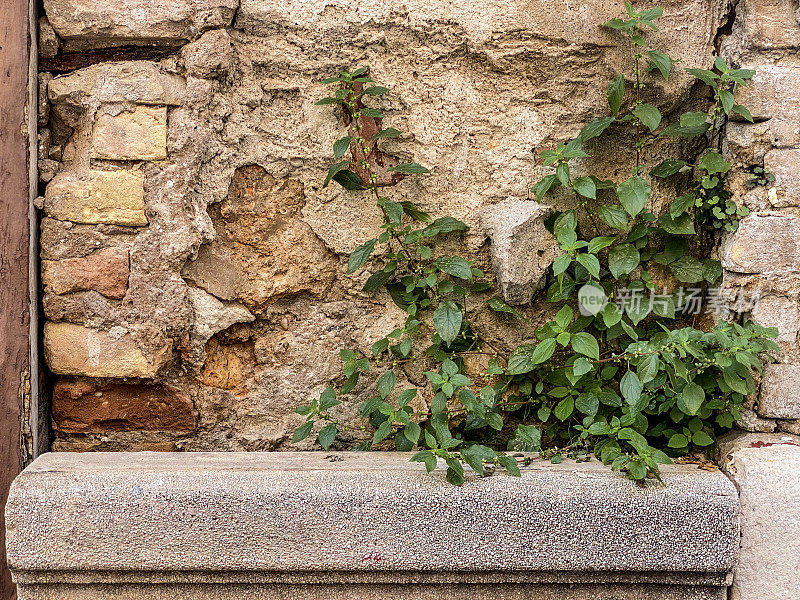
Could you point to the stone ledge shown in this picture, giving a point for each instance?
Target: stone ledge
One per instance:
(231, 521)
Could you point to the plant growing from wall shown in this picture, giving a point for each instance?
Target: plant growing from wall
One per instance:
(631, 383)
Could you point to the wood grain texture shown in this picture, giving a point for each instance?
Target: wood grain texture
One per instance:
(14, 250)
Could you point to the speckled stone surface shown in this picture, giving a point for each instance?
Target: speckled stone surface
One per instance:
(273, 521)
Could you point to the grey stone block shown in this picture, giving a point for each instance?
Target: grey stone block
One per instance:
(276, 520)
(766, 469)
(780, 392)
(767, 243)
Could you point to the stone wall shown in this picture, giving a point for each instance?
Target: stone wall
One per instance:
(193, 264)
(762, 259)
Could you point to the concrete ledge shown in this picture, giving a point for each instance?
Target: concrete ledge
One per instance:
(242, 525)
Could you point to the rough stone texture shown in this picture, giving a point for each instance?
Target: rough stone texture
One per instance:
(780, 312)
(522, 248)
(766, 471)
(74, 350)
(116, 23)
(114, 197)
(750, 421)
(780, 392)
(792, 427)
(187, 518)
(85, 406)
(49, 43)
(766, 243)
(209, 57)
(210, 317)
(140, 134)
(105, 272)
(140, 82)
(785, 166)
(767, 25)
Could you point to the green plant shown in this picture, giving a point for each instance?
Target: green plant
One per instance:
(759, 176)
(632, 384)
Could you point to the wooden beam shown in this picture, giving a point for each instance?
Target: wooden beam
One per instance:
(17, 66)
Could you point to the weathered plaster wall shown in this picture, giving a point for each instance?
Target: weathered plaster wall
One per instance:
(194, 267)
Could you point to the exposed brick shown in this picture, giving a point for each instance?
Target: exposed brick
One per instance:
(764, 243)
(140, 134)
(113, 197)
(117, 22)
(770, 24)
(774, 91)
(105, 271)
(140, 81)
(93, 407)
(76, 350)
(779, 398)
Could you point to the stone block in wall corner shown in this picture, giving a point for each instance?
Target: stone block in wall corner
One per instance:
(522, 248)
(140, 134)
(791, 426)
(72, 349)
(765, 243)
(779, 397)
(139, 81)
(106, 271)
(209, 57)
(774, 91)
(106, 23)
(85, 406)
(111, 197)
(784, 164)
(750, 421)
(780, 312)
(769, 24)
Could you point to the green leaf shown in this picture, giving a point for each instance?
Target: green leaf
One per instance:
(649, 115)
(341, 146)
(682, 225)
(585, 187)
(586, 344)
(598, 243)
(681, 204)
(660, 61)
(446, 225)
(691, 398)
(701, 438)
(527, 438)
(647, 369)
(588, 404)
(545, 185)
(334, 169)
(327, 435)
(581, 366)
(726, 99)
(623, 259)
(410, 169)
(498, 305)
(415, 213)
(509, 463)
(613, 216)
(742, 111)
(615, 93)
(456, 266)
(678, 440)
(389, 132)
(378, 280)
(302, 432)
(633, 194)
(412, 432)
(360, 255)
(714, 163)
(386, 383)
(348, 180)
(704, 75)
(687, 269)
(525, 357)
(595, 128)
(427, 457)
(564, 409)
(329, 100)
(667, 168)
(455, 472)
(631, 387)
(561, 264)
(590, 263)
(375, 113)
(447, 319)
(376, 90)
(327, 399)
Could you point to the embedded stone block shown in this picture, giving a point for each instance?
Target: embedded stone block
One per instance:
(120, 22)
(765, 243)
(105, 271)
(522, 248)
(780, 392)
(140, 134)
(113, 197)
(72, 349)
(141, 82)
(779, 312)
(766, 470)
(785, 165)
(91, 407)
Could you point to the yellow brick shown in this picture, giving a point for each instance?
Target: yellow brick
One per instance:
(76, 350)
(140, 134)
(114, 197)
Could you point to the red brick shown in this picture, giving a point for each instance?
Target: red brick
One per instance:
(86, 406)
(105, 272)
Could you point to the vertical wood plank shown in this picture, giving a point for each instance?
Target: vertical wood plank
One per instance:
(14, 252)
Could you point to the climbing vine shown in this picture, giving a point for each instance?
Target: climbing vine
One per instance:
(624, 377)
